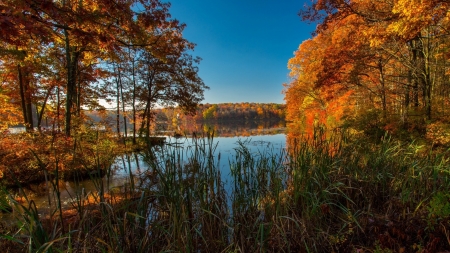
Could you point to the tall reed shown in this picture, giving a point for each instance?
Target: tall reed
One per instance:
(326, 193)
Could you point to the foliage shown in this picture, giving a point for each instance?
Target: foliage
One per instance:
(228, 112)
(438, 133)
(59, 57)
(210, 112)
(31, 158)
(367, 56)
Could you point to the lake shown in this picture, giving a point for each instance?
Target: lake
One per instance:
(264, 137)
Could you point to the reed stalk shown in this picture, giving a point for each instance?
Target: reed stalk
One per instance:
(322, 194)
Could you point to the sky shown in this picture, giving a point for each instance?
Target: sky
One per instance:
(244, 45)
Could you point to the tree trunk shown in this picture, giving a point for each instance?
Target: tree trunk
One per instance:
(427, 76)
(22, 96)
(41, 112)
(72, 62)
(58, 107)
(144, 118)
(28, 102)
(118, 106)
(147, 132)
(407, 90)
(123, 106)
(133, 103)
(69, 86)
(383, 89)
(424, 76)
(415, 64)
(407, 101)
(78, 92)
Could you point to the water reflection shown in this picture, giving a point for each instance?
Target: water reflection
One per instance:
(131, 172)
(224, 129)
(48, 196)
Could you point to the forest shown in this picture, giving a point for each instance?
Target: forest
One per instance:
(226, 112)
(225, 119)
(365, 166)
(380, 66)
(61, 58)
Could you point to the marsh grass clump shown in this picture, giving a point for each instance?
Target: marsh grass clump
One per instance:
(323, 193)
(350, 195)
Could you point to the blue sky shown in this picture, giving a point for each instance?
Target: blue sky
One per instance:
(245, 45)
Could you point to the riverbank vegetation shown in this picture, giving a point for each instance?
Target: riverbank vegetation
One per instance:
(34, 158)
(329, 193)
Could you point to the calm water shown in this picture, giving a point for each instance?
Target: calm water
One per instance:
(259, 139)
(224, 152)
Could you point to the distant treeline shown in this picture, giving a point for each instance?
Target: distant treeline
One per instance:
(270, 113)
(226, 112)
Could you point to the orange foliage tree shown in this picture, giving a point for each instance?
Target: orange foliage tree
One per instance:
(60, 51)
(386, 58)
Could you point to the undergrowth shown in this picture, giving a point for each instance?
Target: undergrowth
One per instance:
(321, 194)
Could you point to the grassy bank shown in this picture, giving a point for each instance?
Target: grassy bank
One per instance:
(323, 195)
(29, 158)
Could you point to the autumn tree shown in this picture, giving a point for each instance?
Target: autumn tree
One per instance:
(382, 55)
(85, 36)
(166, 75)
(210, 112)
